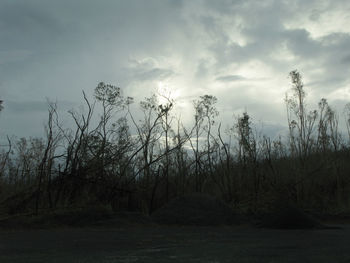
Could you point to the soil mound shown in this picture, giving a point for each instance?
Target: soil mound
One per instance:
(195, 209)
(289, 217)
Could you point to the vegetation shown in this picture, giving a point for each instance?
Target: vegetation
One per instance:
(108, 165)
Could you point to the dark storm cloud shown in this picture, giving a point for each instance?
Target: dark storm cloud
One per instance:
(74, 44)
(147, 70)
(152, 74)
(27, 25)
(264, 41)
(264, 29)
(55, 49)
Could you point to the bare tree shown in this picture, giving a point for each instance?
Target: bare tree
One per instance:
(300, 122)
(198, 117)
(209, 112)
(322, 132)
(77, 152)
(205, 113)
(347, 119)
(164, 111)
(53, 137)
(5, 157)
(112, 103)
(149, 134)
(248, 153)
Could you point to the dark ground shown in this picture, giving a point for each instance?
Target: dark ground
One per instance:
(175, 244)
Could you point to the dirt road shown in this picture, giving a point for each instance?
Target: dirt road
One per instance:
(175, 244)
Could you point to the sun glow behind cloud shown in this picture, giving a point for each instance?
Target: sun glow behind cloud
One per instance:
(166, 92)
(239, 51)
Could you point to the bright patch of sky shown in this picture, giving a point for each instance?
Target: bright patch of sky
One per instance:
(239, 51)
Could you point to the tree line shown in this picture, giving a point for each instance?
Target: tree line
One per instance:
(107, 164)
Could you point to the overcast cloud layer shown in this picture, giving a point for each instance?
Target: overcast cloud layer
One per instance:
(239, 51)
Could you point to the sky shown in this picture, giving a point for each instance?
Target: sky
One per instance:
(239, 51)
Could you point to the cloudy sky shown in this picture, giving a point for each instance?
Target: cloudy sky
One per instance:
(240, 51)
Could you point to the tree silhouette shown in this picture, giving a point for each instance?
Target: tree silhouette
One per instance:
(141, 167)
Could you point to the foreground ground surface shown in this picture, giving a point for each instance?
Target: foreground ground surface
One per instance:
(175, 244)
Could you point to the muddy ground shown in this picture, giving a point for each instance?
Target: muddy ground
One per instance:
(175, 244)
